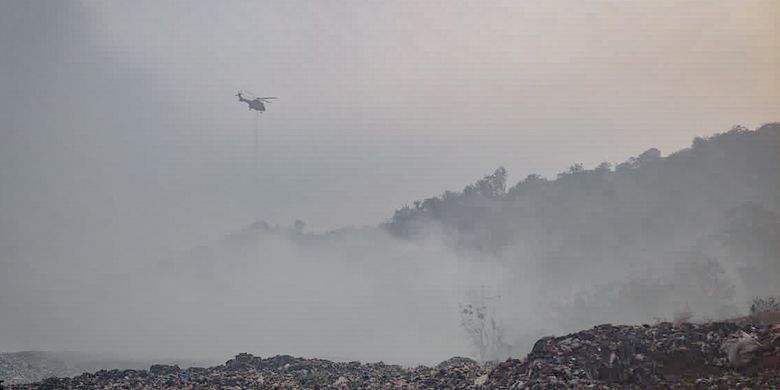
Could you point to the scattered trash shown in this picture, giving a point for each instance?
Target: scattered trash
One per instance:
(713, 355)
(740, 349)
(709, 356)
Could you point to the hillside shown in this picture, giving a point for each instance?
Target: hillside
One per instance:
(695, 233)
(621, 210)
(710, 211)
(696, 229)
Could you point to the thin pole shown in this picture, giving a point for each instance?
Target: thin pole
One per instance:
(256, 174)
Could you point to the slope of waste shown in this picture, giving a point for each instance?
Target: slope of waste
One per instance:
(715, 355)
(718, 355)
(246, 371)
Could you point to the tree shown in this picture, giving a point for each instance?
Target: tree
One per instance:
(481, 327)
(489, 186)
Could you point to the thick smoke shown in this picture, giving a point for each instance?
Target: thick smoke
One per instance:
(690, 235)
(121, 150)
(359, 294)
(656, 238)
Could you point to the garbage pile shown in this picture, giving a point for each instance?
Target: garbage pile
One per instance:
(713, 355)
(246, 371)
(706, 356)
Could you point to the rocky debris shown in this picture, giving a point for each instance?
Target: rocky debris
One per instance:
(246, 371)
(740, 349)
(164, 369)
(699, 356)
(713, 355)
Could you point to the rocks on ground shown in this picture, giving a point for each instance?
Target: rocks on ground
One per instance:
(700, 356)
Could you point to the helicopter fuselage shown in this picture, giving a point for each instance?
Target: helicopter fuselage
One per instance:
(254, 104)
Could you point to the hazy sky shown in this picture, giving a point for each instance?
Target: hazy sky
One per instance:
(120, 129)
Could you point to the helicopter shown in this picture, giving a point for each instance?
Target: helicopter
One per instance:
(257, 104)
